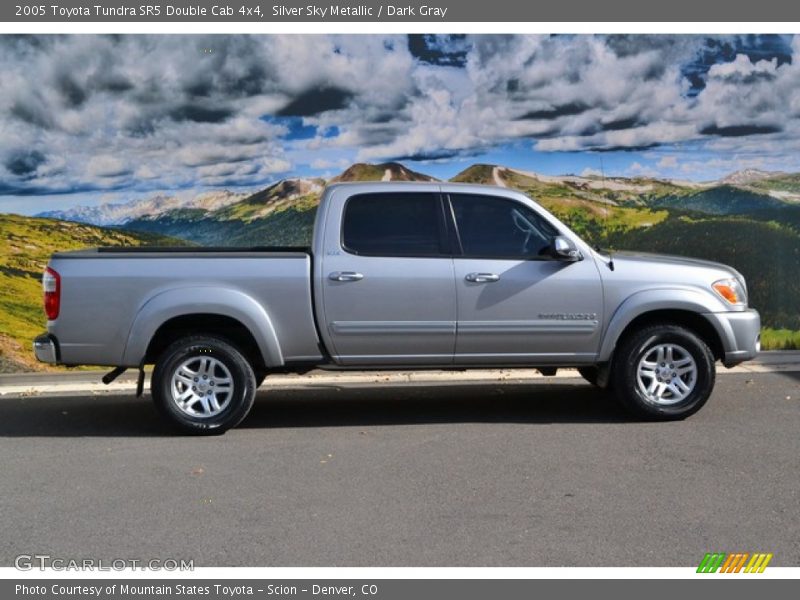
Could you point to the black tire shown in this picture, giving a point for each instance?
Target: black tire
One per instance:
(233, 406)
(641, 344)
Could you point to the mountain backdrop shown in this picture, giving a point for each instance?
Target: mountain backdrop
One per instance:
(749, 219)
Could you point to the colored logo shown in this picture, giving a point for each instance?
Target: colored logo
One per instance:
(734, 563)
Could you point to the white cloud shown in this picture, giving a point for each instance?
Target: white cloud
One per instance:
(324, 163)
(107, 166)
(159, 112)
(160, 107)
(667, 162)
(637, 169)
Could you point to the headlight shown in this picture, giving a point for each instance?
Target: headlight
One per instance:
(731, 290)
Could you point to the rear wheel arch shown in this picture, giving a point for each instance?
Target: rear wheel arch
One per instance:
(221, 326)
(231, 313)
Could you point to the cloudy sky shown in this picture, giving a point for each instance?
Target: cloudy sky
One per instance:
(86, 119)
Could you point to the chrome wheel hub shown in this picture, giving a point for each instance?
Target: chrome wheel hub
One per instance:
(202, 386)
(666, 374)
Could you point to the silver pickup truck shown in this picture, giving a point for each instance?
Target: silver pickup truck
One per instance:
(400, 275)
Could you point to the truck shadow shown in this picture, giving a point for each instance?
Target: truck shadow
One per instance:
(334, 406)
(793, 375)
(322, 406)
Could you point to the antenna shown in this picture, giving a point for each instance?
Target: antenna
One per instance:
(604, 208)
(605, 215)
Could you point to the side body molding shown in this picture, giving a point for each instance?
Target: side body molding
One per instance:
(646, 301)
(189, 300)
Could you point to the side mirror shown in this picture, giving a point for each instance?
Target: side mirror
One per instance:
(562, 248)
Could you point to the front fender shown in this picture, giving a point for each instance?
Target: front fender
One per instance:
(645, 301)
(188, 300)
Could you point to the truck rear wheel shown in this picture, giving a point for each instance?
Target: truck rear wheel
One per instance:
(663, 372)
(203, 385)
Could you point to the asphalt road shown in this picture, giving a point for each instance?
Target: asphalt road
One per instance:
(541, 474)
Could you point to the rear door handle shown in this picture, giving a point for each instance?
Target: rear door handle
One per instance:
(345, 276)
(482, 277)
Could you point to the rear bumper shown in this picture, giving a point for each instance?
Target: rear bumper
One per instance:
(740, 333)
(45, 347)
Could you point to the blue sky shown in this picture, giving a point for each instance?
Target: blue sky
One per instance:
(91, 119)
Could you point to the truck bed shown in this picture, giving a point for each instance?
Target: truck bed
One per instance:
(111, 297)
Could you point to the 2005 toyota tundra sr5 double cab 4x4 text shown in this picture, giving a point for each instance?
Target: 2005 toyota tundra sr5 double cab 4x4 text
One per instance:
(401, 275)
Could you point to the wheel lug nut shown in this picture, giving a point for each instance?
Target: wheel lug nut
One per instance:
(674, 374)
(194, 388)
(212, 383)
(195, 378)
(205, 376)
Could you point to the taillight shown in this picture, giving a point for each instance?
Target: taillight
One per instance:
(51, 284)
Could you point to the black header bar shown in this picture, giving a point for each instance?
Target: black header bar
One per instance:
(259, 11)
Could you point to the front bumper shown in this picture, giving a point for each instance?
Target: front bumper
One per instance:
(740, 333)
(45, 347)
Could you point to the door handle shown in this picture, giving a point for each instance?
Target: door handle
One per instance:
(345, 276)
(482, 277)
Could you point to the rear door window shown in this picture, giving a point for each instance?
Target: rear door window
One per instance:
(394, 224)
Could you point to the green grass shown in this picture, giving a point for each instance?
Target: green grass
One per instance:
(26, 244)
(780, 339)
(475, 174)
(595, 222)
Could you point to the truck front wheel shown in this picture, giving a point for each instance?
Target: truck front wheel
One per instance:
(203, 385)
(663, 372)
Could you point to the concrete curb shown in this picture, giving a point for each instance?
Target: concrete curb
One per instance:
(88, 382)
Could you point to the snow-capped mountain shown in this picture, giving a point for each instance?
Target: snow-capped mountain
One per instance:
(748, 176)
(111, 214)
